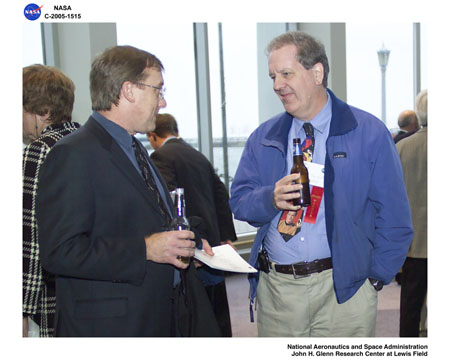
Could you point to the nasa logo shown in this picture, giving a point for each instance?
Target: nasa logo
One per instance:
(32, 11)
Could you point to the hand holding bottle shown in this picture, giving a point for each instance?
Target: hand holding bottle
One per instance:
(167, 246)
(285, 191)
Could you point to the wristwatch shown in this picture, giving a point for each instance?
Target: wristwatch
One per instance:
(377, 284)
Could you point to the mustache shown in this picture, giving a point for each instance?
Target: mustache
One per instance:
(283, 91)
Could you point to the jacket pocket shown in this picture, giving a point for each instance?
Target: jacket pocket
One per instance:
(101, 308)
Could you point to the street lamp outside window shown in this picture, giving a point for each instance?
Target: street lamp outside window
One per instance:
(383, 59)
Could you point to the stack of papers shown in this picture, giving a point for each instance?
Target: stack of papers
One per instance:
(225, 258)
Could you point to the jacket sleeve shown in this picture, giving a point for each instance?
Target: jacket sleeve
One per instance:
(33, 156)
(393, 224)
(252, 190)
(66, 214)
(223, 211)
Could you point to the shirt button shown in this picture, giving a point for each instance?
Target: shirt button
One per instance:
(302, 238)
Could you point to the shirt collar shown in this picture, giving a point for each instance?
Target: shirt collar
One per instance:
(169, 138)
(322, 119)
(116, 131)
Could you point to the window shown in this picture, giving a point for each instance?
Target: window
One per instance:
(363, 69)
(175, 49)
(32, 44)
(240, 98)
(423, 56)
(234, 96)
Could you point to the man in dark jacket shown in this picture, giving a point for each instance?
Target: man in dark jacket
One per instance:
(103, 208)
(182, 166)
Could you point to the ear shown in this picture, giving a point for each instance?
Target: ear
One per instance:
(318, 73)
(128, 91)
(43, 118)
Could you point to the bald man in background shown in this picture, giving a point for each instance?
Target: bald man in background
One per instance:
(408, 124)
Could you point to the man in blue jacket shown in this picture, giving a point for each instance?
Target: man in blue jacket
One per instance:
(355, 235)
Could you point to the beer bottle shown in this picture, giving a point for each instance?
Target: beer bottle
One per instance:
(180, 222)
(300, 168)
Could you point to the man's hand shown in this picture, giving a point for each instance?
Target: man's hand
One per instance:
(165, 247)
(285, 191)
(208, 250)
(207, 247)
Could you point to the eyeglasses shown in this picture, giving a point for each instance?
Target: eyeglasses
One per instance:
(162, 90)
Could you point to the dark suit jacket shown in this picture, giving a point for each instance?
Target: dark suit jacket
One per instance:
(94, 210)
(402, 134)
(205, 195)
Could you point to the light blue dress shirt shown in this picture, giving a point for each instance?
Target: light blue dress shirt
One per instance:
(311, 242)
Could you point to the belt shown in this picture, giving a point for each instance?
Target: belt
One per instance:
(304, 268)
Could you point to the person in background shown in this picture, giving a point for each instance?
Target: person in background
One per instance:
(102, 210)
(48, 97)
(408, 124)
(324, 280)
(206, 196)
(413, 155)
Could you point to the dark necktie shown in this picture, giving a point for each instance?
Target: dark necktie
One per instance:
(308, 143)
(148, 177)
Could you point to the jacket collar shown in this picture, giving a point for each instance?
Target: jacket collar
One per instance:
(342, 121)
(342, 118)
(170, 138)
(67, 125)
(119, 159)
(278, 133)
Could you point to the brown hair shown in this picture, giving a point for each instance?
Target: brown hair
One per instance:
(48, 90)
(166, 125)
(112, 68)
(309, 50)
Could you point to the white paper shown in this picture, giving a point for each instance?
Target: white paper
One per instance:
(225, 258)
(316, 173)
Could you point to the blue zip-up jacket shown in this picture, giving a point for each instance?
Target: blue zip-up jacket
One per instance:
(368, 218)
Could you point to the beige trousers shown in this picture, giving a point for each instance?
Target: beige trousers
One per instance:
(307, 307)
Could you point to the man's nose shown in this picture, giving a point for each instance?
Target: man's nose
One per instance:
(162, 103)
(278, 83)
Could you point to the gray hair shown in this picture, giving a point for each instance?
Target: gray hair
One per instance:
(422, 107)
(309, 50)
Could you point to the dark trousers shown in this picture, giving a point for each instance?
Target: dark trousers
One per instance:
(218, 296)
(412, 296)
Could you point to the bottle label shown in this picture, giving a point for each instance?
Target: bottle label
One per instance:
(297, 150)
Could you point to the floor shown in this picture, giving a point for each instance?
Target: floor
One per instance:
(238, 291)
